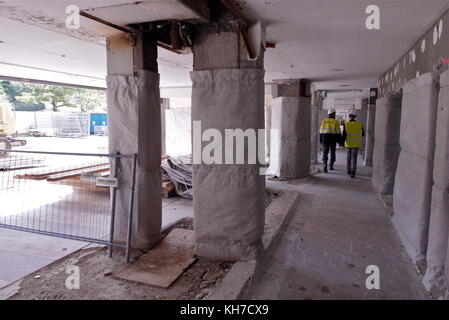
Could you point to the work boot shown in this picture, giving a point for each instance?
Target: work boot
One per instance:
(349, 172)
(352, 174)
(325, 167)
(331, 166)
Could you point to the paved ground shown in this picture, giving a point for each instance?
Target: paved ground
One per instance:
(338, 230)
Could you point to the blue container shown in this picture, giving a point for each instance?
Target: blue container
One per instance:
(98, 119)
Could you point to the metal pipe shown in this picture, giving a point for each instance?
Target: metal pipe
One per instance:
(114, 197)
(109, 24)
(112, 155)
(131, 208)
(60, 235)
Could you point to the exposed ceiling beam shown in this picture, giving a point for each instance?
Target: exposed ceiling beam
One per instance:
(51, 83)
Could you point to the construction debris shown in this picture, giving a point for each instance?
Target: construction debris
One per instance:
(161, 266)
(179, 171)
(72, 173)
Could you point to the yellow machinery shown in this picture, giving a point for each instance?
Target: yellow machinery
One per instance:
(8, 127)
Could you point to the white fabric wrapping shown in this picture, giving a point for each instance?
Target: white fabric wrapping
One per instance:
(437, 249)
(228, 199)
(369, 133)
(135, 127)
(178, 131)
(386, 143)
(315, 135)
(413, 181)
(291, 145)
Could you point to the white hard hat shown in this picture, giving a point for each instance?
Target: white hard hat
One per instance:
(352, 112)
(330, 111)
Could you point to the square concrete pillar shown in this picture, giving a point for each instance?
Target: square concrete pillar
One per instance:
(369, 135)
(227, 95)
(386, 143)
(291, 141)
(134, 112)
(438, 247)
(413, 182)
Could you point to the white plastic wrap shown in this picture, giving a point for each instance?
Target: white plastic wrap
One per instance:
(228, 198)
(413, 181)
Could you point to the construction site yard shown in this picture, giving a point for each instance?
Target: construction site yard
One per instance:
(97, 279)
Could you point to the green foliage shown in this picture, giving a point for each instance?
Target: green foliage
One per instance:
(22, 106)
(31, 96)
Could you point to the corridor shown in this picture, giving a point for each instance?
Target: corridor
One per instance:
(338, 229)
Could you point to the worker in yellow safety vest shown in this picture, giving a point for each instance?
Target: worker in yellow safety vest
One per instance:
(352, 136)
(330, 135)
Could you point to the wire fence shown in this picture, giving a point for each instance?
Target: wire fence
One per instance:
(68, 195)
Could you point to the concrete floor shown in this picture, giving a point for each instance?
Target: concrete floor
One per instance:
(22, 253)
(336, 232)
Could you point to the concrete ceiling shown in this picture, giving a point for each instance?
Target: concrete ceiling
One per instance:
(323, 40)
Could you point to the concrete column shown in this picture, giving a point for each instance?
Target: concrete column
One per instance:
(315, 134)
(164, 106)
(369, 135)
(228, 199)
(413, 182)
(135, 127)
(438, 248)
(291, 117)
(362, 115)
(386, 143)
(267, 127)
(316, 106)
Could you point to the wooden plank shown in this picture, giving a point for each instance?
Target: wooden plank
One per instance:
(161, 266)
(44, 175)
(75, 174)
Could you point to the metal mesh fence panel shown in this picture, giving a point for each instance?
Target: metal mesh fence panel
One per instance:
(59, 194)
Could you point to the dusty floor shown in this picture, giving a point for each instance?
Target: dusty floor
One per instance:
(337, 231)
(49, 283)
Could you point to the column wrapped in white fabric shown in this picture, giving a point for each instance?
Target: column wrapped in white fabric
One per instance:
(228, 199)
(386, 143)
(135, 127)
(291, 145)
(369, 135)
(437, 248)
(413, 181)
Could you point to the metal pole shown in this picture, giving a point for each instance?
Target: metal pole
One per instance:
(114, 197)
(69, 153)
(131, 208)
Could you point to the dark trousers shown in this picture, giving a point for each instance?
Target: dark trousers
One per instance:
(331, 148)
(352, 159)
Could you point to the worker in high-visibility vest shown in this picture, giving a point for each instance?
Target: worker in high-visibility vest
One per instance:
(330, 135)
(352, 136)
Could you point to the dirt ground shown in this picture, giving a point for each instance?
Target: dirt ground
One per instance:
(197, 282)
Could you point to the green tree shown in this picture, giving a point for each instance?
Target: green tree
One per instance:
(89, 100)
(30, 96)
(12, 90)
(57, 96)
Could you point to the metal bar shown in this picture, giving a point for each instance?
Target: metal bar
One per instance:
(109, 24)
(230, 5)
(52, 83)
(114, 197)
(61, 235)
(113, 155)
(131, 208)
(163, 46)
(246, 39)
